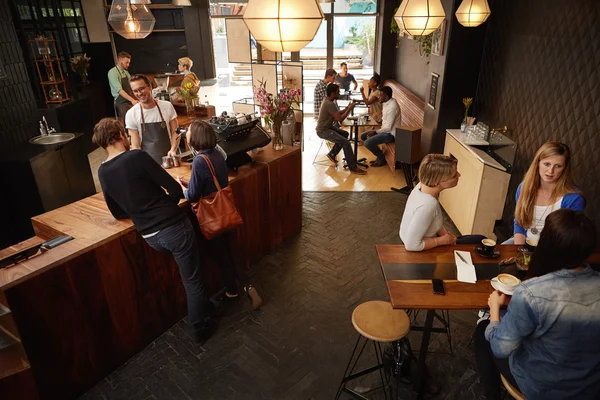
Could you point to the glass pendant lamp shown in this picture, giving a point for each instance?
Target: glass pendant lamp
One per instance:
(131, 20)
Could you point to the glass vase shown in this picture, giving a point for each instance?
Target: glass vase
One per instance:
(276, 136)
(189, 107)
(463, 125)
(84, 78)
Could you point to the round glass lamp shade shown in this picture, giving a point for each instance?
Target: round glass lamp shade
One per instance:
(473, 12)
(420, 17)
(283, 25)
(132, 21)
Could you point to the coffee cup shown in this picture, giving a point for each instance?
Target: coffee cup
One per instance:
(488, 246)
(507, 282)
(167, 162)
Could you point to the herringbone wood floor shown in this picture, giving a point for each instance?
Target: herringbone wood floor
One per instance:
(298, 344)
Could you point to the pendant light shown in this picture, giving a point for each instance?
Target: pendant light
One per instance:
(473, 13)
(283, 25)
(132, 21)
(420, 17)
(182, 3)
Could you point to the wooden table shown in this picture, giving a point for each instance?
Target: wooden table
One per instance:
(400, 267)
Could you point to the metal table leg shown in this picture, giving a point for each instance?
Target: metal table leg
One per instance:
(421, 365)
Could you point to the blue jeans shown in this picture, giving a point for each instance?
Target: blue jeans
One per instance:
(373, 142)
(340, 141)
(180, 240)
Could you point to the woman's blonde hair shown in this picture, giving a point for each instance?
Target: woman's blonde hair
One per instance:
(186, 62)
(531, 182)
(435, 168)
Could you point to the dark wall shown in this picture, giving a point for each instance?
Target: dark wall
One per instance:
(17, 101)
(540, 76)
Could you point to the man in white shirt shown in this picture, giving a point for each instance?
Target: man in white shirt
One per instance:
(151, 124)
(391, 119)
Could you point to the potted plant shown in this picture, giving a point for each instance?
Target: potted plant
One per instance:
(276, 109)
(189, 94)
(80, 65)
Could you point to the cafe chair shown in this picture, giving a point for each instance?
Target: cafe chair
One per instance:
(378, 322)
(511, 389)
(325, 162)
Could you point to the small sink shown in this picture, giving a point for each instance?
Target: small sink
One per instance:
(53, 138)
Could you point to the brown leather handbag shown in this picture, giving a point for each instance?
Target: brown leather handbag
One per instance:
(217, 213)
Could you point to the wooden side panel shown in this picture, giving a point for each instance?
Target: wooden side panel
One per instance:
(19, 386)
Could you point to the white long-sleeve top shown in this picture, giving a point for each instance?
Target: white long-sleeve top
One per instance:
(392, 117)
(422, 219)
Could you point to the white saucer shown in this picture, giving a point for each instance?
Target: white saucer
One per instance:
(495, 285)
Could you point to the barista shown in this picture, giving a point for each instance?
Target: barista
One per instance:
(185, 66)
(151, 124)
(118, 80)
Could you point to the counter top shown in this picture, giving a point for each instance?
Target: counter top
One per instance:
(91, 224)
(28, 151)
(478, 153)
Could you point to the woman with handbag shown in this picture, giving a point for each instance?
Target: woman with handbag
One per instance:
(208, 181)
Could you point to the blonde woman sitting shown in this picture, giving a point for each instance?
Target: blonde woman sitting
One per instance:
(421, 226)
(547, 186)
(185, 66)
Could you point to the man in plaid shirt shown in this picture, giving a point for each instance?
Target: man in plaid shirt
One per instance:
(321, 90)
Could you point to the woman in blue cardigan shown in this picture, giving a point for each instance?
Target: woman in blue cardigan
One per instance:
(547, 186)
(201, 137)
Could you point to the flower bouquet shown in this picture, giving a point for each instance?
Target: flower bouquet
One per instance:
(276, 109)
(189, 94)
(467, 102)
(80, 65)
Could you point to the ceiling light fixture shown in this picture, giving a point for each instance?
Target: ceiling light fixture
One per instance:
(132, 21)
(420, 17)
(473, 13)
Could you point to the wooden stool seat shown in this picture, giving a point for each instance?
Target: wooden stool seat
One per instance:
(378, 321)
(511, 389)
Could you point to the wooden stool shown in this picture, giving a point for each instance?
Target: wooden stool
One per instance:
(511, 389)
(379, 322)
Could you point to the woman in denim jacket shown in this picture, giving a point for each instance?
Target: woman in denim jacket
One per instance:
(548, 343)
(201, 137)
(546, 187)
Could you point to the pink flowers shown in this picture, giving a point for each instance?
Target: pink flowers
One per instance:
(276, 108)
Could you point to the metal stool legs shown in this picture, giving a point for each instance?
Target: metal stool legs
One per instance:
(322, 162)
(349, 375)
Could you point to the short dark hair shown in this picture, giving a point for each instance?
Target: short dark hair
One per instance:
(124, 54)
(107, 132)
(567, 240)
(387, 90)
(377, 78)
(332, 88)
(140, 77)
(202, 136)
(330, 72)
(343, 63)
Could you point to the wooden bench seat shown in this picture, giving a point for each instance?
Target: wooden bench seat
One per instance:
(412, 117)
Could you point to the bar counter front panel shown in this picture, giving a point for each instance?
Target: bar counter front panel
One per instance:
(84, 308)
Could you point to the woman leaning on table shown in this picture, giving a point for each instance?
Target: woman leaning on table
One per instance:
(421, 226)
(547, 343)
(202, 138)
(547, 186)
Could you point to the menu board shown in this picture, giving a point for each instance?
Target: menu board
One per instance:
(433, 90)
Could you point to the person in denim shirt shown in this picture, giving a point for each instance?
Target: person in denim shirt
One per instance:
(548, 343)
(201, 137)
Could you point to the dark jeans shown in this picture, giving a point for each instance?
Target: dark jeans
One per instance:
(340, 141)
(180, 240)
(373, 142)
(470, 239)
(230, 270)
(490, 367)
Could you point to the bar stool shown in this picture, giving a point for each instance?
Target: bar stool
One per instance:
(511, 389)
(322, 162)
(378, 322)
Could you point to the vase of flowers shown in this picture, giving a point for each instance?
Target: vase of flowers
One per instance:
(189, 94)
(467, 101)
(276, 109)
(80, 64)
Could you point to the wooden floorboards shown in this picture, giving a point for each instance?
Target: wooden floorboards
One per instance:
(297, 345)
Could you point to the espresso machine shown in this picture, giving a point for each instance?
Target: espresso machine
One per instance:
(161, 91)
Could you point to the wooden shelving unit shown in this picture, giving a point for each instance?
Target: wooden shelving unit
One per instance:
(52, 79)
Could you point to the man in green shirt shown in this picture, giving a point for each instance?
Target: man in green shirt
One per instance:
(118, 79)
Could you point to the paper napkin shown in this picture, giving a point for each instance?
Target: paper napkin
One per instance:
(465, 272)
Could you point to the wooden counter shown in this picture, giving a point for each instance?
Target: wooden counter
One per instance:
(85, 307)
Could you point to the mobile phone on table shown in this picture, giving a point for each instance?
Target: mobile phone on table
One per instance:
(438, 286)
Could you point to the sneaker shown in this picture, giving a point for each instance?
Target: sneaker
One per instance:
(378, 163)
(332, 158)
(483, 315)
(358, 171)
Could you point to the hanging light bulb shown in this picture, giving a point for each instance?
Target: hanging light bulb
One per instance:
(283, 25)
(132, 21)
(420, 17)
(473, 13)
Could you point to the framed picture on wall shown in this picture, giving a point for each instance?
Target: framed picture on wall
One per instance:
(433, 89)
(438, 40)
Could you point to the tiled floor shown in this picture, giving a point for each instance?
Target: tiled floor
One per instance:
(297, 345)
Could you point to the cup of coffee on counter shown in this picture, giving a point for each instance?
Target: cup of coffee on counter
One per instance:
(488, 247)
(167, 162)
(506, 283)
